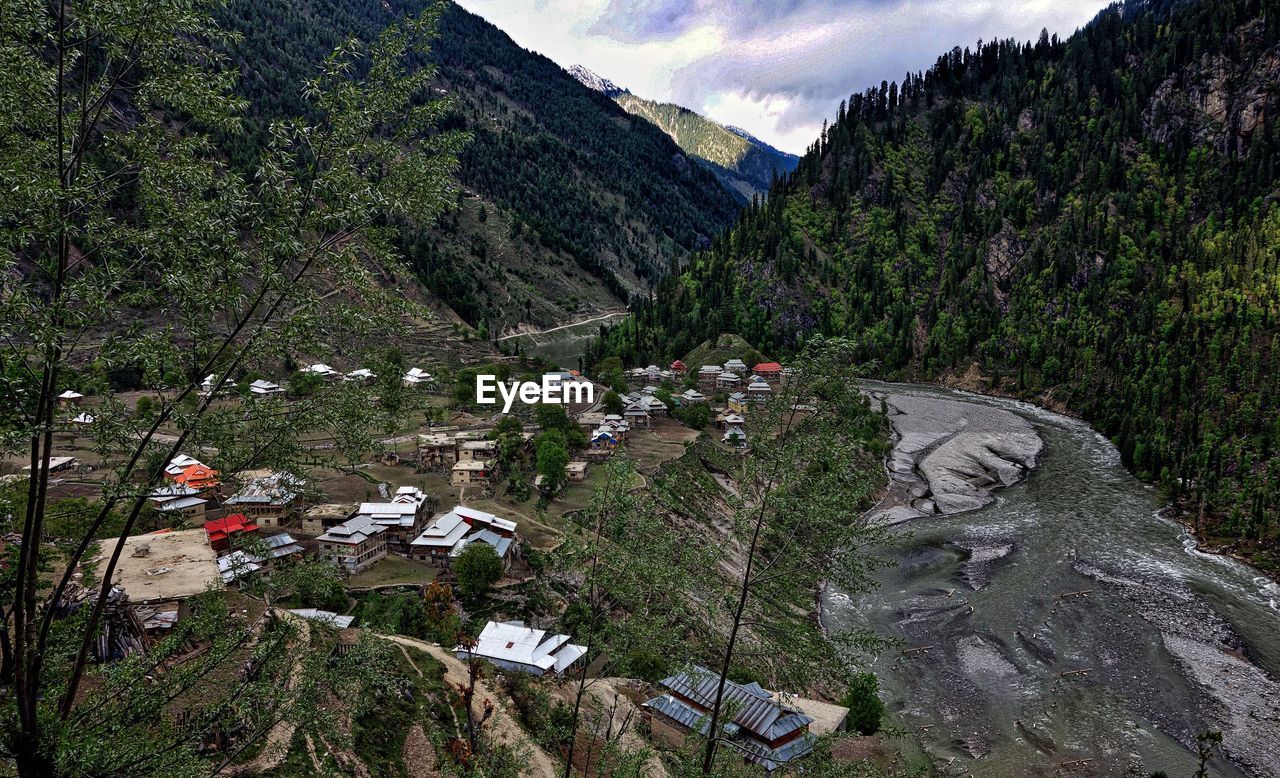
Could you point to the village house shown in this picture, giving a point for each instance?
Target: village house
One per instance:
(449, 533)
(656, 408)
(769, 371)
(318, 519)
(270, 499)
(692, 396)
(590, 421)
(226, 532)
(322, 370)
(759, 392)
(737, 402)
(707, 375)
(56, 464)
(436, 452)
(678, 368)
(176, 501)
(477, 450)
(729, 419)
(737, 367)
(415, 377)
(728, 382)
(637, 415)
(512, 646)
(354, 545)
(70, 398)
(83, 419)
(206, 386)
(202, 478)
(241, 563)
(735, 437)
(261, 388)
(360, 374)
(402, 517)
(764, 731)
(576, 472)
(603, 442)
(163, 566)
(469, 473)
(618, 425)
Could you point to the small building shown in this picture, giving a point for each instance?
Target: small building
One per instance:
(769, 371)
(318, 519)
(354, 545)
(758, 727)
(360, 374)
(590, 421)
(735, 437)
(737, 367)
(225, 532)
(656, 408)
(707, 375)
(415, 378)
(261, 388)
(513, 646)
(759, 392)
(469, 473)
(678, 368)
(179, 463)
(436, 451)
(692, 396)
(728, 382)
(207, 385)
(737, 402)
(177, 501)
(202, 478)
(83, 419)
(477, 450)
(70, 398)
(322, 370)
(270, 499)
(335, 620)
(637, 415)
(730, 419)
(576, 471)
(449, 533)
(603, 442)
(57, 464)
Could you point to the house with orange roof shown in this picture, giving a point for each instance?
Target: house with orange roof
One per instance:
(200, 477)
(769, 371)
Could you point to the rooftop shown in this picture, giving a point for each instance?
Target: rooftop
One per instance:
(175, 565)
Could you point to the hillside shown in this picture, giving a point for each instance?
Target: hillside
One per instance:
(745, 165)
(571, 204)
(1087, 222)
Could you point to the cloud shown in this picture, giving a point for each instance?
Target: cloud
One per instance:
(775, 68)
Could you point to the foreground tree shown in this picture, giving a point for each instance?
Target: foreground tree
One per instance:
(137, 249)
(795, 523)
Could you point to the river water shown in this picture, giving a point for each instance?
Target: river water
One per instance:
(1067, 621)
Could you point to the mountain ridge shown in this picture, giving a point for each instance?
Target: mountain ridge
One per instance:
(744, 164)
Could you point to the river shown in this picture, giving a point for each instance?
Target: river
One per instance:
(1066, 622)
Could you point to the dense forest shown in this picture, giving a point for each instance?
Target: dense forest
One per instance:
(1090, 222)
(571, 203)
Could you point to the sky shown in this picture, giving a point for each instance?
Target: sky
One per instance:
(776, 68)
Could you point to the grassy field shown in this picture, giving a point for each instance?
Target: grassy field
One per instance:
(393, 570)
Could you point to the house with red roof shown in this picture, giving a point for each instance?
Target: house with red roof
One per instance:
(678, 367)
(769, 371)
(222, 532)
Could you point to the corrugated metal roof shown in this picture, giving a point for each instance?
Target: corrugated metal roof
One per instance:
(752, 707)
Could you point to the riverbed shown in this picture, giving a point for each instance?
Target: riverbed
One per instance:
(1066, 625)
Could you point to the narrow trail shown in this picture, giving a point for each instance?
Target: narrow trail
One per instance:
(534, 333)
(503, 725)
(280, 737)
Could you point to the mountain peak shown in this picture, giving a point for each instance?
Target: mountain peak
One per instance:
(592, 80)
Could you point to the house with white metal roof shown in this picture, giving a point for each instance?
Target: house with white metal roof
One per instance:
(513, 646)
(270, 499)
(354, 544)
(262, 388)
(402, 515)
(449, 533)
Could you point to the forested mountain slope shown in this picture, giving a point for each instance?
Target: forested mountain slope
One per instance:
(1091, 222)
(572, 205)
(745, 165)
